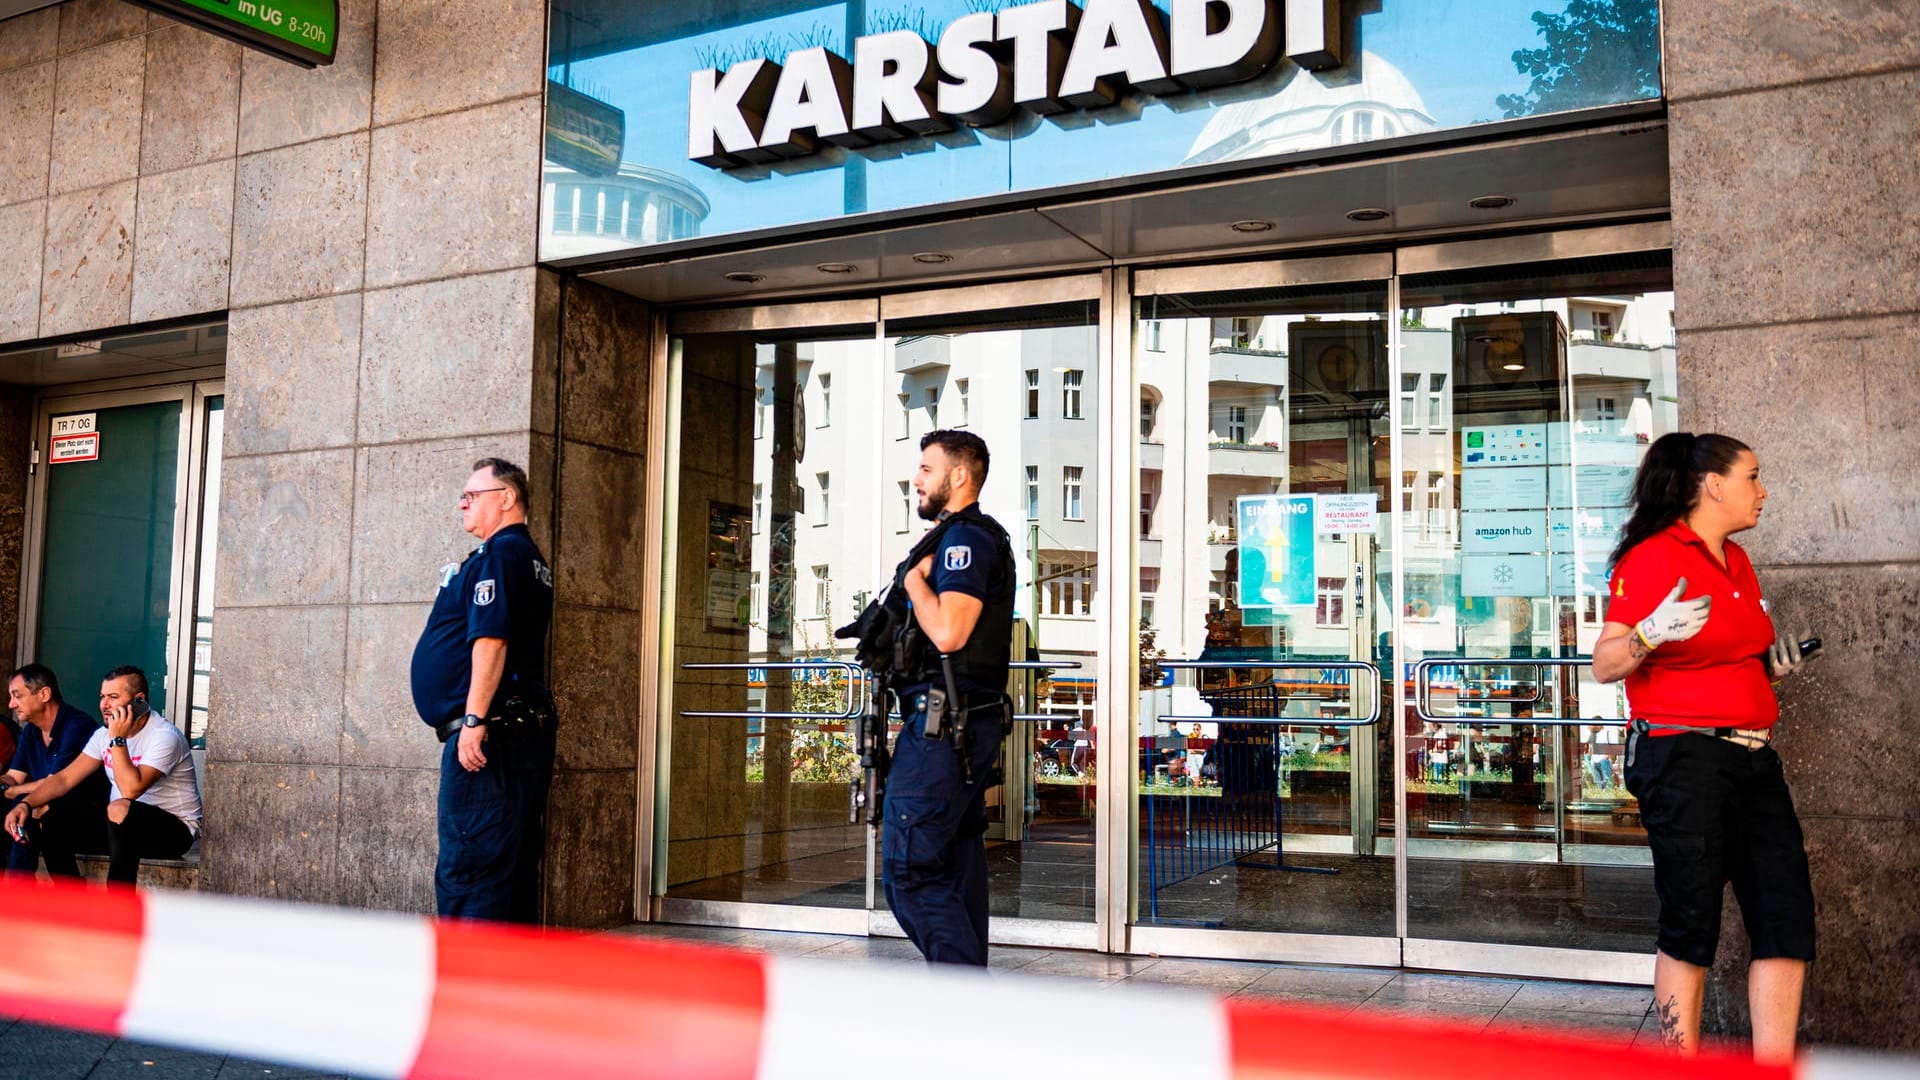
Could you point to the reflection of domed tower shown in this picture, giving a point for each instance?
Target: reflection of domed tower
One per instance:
(637, 205)
(1370, 99)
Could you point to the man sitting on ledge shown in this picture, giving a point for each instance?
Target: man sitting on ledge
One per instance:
(53, 735)
(153, 807)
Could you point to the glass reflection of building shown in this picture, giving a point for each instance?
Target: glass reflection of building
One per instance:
(585, 215)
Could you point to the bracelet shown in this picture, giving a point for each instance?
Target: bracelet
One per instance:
(1643, 638)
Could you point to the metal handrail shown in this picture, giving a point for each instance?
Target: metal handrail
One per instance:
(1373, 696)
(1423, 689)
(855, 701)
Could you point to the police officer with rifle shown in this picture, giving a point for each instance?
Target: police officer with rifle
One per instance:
(938, 639)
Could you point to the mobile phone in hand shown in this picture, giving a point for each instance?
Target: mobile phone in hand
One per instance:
(140, 708)
(1808, 647)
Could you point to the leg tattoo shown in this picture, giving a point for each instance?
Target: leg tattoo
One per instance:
(1670, 1034)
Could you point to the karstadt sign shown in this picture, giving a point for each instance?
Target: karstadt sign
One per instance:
(1049, 57)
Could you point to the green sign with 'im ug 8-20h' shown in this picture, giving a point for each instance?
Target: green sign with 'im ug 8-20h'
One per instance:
(302, 31)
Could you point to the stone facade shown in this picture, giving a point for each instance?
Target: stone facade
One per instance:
(369, 229)
(1796, 222)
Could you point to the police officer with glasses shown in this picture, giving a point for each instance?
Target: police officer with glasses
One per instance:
(478, 682)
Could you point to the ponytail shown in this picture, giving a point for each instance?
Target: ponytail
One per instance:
(1667, 487)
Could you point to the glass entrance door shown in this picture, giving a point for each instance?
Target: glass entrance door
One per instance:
(1263, 457)
(125, 511)
(1529, 395)
(797, 432)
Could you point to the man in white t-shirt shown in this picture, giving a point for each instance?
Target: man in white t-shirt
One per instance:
(153, 801)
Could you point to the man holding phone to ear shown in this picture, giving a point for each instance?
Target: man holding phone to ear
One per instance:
(153, 801)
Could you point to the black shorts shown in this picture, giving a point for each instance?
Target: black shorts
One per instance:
(1716, 812)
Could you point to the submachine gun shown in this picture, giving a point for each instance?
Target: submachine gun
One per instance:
(890, 646)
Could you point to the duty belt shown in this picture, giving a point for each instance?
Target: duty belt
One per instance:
(1751, 738)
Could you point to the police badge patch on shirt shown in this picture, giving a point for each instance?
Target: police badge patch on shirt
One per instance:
(959, 557)
(483, 593)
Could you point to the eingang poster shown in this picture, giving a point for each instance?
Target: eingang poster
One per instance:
(1276, 550)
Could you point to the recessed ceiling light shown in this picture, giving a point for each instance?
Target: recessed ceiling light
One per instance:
(1513, 365)
(1491, 202)
(744, 277)
(932, 258)
(1252, 225)
(835, 268)
(1369, 213)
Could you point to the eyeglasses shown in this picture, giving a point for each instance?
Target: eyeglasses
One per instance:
(468, 496)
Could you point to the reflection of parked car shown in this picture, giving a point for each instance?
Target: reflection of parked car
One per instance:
(1054, 757)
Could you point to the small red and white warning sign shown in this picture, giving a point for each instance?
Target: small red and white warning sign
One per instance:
(71, 448)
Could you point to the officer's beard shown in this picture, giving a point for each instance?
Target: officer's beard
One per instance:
(934, 500)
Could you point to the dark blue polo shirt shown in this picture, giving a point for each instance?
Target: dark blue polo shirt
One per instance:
(503, 589)
(38, 758)
(969, 561)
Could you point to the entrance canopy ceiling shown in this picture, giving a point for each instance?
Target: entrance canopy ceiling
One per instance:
(1615, 171)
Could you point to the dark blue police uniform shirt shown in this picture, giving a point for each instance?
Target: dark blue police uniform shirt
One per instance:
(503, 589)
(964, 563)
(39, 760)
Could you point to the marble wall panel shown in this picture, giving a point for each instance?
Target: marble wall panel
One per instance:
(271, 830)
(1847, 717)
(26, 132)
(96, 116)
(86, 271)
(546, 351)
(299, 221)
(281, 104)
(605, 348)
(590, 846)
(1720, 46)
(408, 522)
(183, 237)
(22, 230)
(285, 527)
(388, 838)
(382, 728)
(192, 99)
(596, 685)
(270, 710)
(454, 194)
(602, 527)
(1867, 915)
(29, 38)
(447, 358)
(1760, 235)
(16, 426)
(436, 58)
(86, 23)
(292, 375)
(1832, 461)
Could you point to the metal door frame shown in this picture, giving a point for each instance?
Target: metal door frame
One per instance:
(661, 559)
(1117, 455)
(189, 491)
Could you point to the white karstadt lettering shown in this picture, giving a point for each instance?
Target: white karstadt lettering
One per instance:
(1046, 57)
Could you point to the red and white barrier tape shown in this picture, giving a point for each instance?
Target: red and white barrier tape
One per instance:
(403, 996)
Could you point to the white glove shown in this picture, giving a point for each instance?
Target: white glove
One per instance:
(1783, 656)
(1675, 619)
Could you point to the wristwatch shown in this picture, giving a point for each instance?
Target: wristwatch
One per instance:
(472, 720)
(117, 740)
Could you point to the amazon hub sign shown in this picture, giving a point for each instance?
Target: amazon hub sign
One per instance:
(1045, 58)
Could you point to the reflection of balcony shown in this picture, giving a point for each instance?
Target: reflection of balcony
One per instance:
(1220, 540)
(1247, 366)
(912, 355)
(1245, 459)
(1150, 550)
(1614, 360)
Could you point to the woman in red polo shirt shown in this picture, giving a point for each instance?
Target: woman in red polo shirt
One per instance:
(1689, 632)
